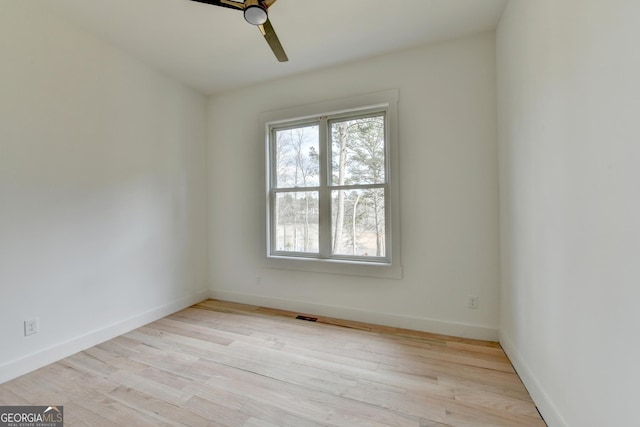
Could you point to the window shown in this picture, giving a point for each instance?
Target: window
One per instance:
(329, 192)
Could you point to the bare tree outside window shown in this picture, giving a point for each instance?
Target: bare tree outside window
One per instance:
(296, 212)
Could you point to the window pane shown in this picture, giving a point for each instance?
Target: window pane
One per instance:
(296, 222)
(357, 151)
(296, 157)
(358, 222)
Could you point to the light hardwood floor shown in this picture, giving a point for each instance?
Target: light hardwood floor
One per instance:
(223, 364)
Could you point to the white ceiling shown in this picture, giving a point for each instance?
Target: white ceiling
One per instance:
(213, 49)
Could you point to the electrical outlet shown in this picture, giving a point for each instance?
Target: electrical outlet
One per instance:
(472, 302)
(30, 327)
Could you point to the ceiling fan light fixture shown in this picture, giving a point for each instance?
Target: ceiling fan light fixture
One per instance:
(255, 14)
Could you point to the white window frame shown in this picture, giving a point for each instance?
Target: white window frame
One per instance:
(388, 266)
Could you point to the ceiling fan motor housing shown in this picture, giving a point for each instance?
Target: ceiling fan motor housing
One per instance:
(255, 13)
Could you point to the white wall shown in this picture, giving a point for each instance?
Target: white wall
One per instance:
(449, 190)
(569, 106)
(103, 202)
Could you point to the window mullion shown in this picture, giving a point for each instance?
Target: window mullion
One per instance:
(358, 186)
(325, 193)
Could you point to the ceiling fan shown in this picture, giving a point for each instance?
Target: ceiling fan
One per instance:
(255, 13)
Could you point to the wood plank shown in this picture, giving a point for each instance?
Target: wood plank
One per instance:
(158, 409)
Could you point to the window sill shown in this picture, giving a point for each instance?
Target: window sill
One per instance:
(335, 266)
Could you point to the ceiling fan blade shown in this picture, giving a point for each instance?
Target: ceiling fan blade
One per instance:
(270, 36)
(223, 3)
(266, 29)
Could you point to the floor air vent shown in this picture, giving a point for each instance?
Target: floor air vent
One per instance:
(307, 318)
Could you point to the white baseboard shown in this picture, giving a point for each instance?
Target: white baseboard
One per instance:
(387, 319)
(543, 402)
(16, 368)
